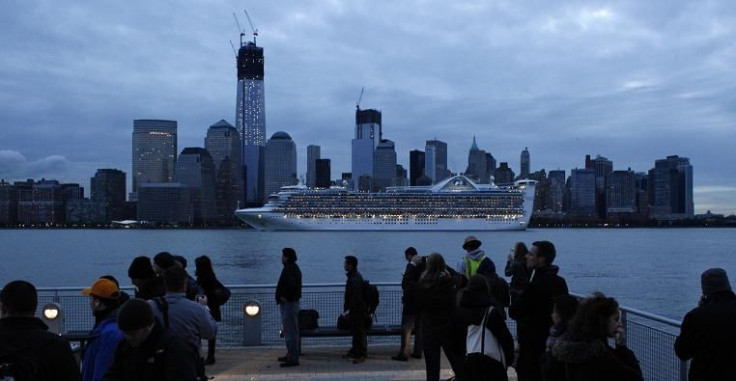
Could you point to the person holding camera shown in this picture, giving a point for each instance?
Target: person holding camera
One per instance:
(708, 334)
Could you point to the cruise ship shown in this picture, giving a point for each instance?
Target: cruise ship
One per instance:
(454, 204)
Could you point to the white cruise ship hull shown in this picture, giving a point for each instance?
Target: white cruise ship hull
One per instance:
(270, 221)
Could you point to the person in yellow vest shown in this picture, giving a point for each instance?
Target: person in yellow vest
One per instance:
(475, 259)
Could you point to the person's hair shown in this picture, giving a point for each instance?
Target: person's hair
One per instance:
(566, 306)
(435, 269)
(410, 251)
(520, 251)
(289, 253)
(546, 249)
(351, 260)
(175, 278)
(181, 260)
(135, 314)
(478, 284)
(203, 270)
(19, 298)
(164, 260)
(590, 322)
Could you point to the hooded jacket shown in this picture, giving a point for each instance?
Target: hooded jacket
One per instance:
(596, 361)
(486, 265)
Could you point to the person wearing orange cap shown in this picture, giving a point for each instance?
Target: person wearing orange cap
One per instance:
(99, 353)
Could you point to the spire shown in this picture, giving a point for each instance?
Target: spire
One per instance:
(474, 147)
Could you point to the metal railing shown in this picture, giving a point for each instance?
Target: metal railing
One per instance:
(650, 336)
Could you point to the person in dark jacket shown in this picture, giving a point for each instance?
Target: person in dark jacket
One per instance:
(22, 335)
(410, 320)
(288, 293)
(563, 311)
(475, 300)
(436, 294)
(584, 349)
(516, 269)
(193, 288)
(355, 308)
(149, 352)
(708, 334)
(147, 284)
(533, 309)
(208, 282)
(99, 352)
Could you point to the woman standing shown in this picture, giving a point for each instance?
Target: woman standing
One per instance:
(436, 297)
(209, 283)
(584, 348)
(475, 303)
(516, 269)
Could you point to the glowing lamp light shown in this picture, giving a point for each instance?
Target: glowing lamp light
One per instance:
(252, 309)
(53, 316)
(51, 311)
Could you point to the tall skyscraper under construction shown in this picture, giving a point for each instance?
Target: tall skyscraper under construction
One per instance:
(250, 119)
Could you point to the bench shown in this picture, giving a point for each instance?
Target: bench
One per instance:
(374, 330)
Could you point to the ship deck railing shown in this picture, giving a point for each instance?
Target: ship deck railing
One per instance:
(650, 336)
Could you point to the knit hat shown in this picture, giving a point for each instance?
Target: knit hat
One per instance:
(135, 314)
(714, 280)
(471, 243)
(103, 288)
(141, 268)
(164, 260)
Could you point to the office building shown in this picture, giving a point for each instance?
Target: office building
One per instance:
(223, 144)
(672, 188)
(195, 169)
(620, 193)
(164, 204)
(154, 151)
(556, 190)
(582, 193)
(280, 162)
(107, 189)
(504, 174)
(477, 164)
(368, 133)
(525, 164)
(250, 119)
(322, 173)
(416, 166)
(602, 167)
(313, 154)
(384, 167)
(435, 166)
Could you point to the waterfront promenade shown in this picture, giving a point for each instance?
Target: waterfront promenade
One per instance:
(323, 362)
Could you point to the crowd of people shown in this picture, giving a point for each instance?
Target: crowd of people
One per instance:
(156, 334)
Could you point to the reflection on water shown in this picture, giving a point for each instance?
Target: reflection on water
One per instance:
(656, 270)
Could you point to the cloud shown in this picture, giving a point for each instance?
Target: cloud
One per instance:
(14, 166)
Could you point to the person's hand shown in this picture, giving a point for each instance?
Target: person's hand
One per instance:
(202, 299)
(416, 259)
(620, 336)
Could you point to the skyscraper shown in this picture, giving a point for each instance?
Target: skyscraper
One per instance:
(384, 167)
(439, 169)
(416, 166)
(250, 119)
(672, 181)
(313, 154)
(368, 133)
(322, 173)
(582, 192)
(620, 192)
(556, 179)
(195, 169)
(477, 164)
(107, 188)
(525, 163)
(602, 167)
(280, 162)
(154, 151)
(223, 144)
(504, 174)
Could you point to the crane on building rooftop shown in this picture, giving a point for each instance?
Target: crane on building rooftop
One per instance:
(255, 31)
(357, 104)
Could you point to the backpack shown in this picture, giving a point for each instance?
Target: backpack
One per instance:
(308, 319)
(18, 365)
(371, 297)
(220, 294)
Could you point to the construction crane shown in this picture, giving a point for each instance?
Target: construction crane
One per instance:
(240, 29)
(357, 104)
(255, 31)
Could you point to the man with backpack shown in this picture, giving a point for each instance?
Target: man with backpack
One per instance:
(355, 309)
(27, 350)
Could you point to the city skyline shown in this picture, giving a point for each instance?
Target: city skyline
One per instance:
(631, 82)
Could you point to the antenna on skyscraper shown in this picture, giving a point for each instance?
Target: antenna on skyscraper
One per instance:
(255, 31)
(240, 29)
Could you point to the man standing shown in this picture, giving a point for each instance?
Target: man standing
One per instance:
(149, 352)
(475, 260)
(410, 320)
(355, 309)
(24, 342)
(708, 335)
(288, 293)
(99, 353)
(147, 284)
(534, 309)
(191, 321)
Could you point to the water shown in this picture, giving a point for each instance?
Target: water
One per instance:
(656, 270)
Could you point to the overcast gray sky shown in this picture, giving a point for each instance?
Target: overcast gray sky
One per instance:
(633, 81)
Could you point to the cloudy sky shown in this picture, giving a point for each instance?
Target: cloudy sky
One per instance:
(633, 81)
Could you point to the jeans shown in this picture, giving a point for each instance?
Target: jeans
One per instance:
(290, 322)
